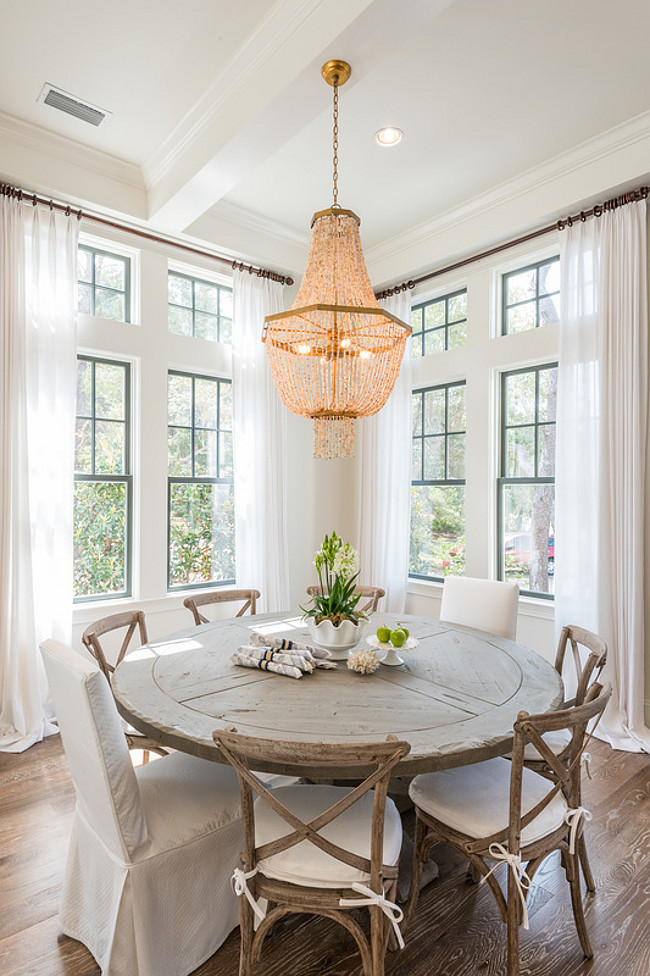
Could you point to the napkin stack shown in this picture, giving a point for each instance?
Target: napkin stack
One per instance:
(281, 655)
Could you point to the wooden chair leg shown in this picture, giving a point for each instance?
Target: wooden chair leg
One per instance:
(416, 871)
(573, 875)
(513, 921)
(586, 867)
(377, 940)
(246, 932)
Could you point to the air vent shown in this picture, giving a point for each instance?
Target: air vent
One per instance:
(71, 105)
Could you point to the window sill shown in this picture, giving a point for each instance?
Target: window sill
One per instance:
(529, 606)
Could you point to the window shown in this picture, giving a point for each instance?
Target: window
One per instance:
(104, 284)
(103, 486)
(201, 528)
(199, 308)
(438, 482)
(527, 482)
(531, 296)
(439, 324)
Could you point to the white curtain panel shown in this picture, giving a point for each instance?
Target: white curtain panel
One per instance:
(385, 496)
(38, 279)
(601, 453)
(259, 428)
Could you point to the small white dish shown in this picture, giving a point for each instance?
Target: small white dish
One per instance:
(391, 657)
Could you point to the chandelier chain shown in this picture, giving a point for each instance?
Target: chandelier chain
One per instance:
(335, 141)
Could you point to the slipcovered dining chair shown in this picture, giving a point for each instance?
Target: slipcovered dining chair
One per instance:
(588, 656)
(489, 605)
(221, 596)
(317, 848)
(152, 851)
(370, 596)
(129, 622)
(501, 811)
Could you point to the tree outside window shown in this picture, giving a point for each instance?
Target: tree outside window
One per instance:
(437, 545)
(201, 527)
(527, 482)
(103, 285)
(103, 483)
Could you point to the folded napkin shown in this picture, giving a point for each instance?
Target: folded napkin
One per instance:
(316, 655)
(246, 661)
(279, 657)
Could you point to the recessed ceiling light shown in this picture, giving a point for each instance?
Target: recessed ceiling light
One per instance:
(388, 136)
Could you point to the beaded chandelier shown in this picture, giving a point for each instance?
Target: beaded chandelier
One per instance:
(335, 354)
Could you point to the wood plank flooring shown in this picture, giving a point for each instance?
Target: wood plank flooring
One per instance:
(457, 931)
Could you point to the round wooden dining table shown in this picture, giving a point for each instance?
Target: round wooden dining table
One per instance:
(454, 699)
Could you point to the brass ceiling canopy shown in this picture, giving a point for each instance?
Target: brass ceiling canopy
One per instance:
(335, 354)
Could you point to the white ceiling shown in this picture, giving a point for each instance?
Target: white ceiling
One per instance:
(220, 123)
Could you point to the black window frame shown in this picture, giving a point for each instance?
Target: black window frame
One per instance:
(505, 307)
(503, 480)
(193, 479)
(436, 482)
(126, 261)
(194, 281)
(445, 326)
(126, 478)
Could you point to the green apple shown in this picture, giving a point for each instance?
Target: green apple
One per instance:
(397, 637)
(383, 634)
(406, 630)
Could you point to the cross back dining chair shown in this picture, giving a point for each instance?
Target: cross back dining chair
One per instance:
(249, 597)
(488, 605)
(152, 850)
(502, 811)
(588, 656)
(370, 596)
(130, 621)
(316, 848)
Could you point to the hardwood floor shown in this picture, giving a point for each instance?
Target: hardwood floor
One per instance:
(457, 931)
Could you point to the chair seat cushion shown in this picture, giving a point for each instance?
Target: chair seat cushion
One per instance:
(307, 865)
(184, 797)
(475, 800)
(556, 740)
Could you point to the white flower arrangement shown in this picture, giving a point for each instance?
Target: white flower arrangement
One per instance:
(363, 661)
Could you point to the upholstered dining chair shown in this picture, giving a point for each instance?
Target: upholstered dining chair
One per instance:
(370, 596)
(130, 622)
(489, 605)
(249, 597)
(588, 656)
(152, 851)
(503, 811)
(318, 848)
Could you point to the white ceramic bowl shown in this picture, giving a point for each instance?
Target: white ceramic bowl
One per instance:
(337, 640)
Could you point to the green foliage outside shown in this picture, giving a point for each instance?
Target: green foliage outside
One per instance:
(201, 534)
(99, 538)
(437, 530)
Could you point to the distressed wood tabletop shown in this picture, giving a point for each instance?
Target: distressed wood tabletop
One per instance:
(454, 699)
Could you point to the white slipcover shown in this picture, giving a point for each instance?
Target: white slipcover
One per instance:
(489, 605)
(147, 885)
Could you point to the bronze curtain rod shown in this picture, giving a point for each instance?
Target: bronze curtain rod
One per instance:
(596, 211)
(7, 190)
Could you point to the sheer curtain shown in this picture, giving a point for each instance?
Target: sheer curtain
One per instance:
(38, 262)
(601, 452)
(259, 425)
(385, 496)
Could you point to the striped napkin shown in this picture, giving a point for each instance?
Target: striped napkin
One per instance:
(316, 655)
(280, 655)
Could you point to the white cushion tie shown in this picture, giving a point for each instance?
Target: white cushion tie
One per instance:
(239, 886)
(392, 911)
(522, 882)
(572, 818)
(585, 760)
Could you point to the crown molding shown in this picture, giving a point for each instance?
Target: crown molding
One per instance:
(33, 137)
(620, 138)
(258, 50)
(256, 222)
